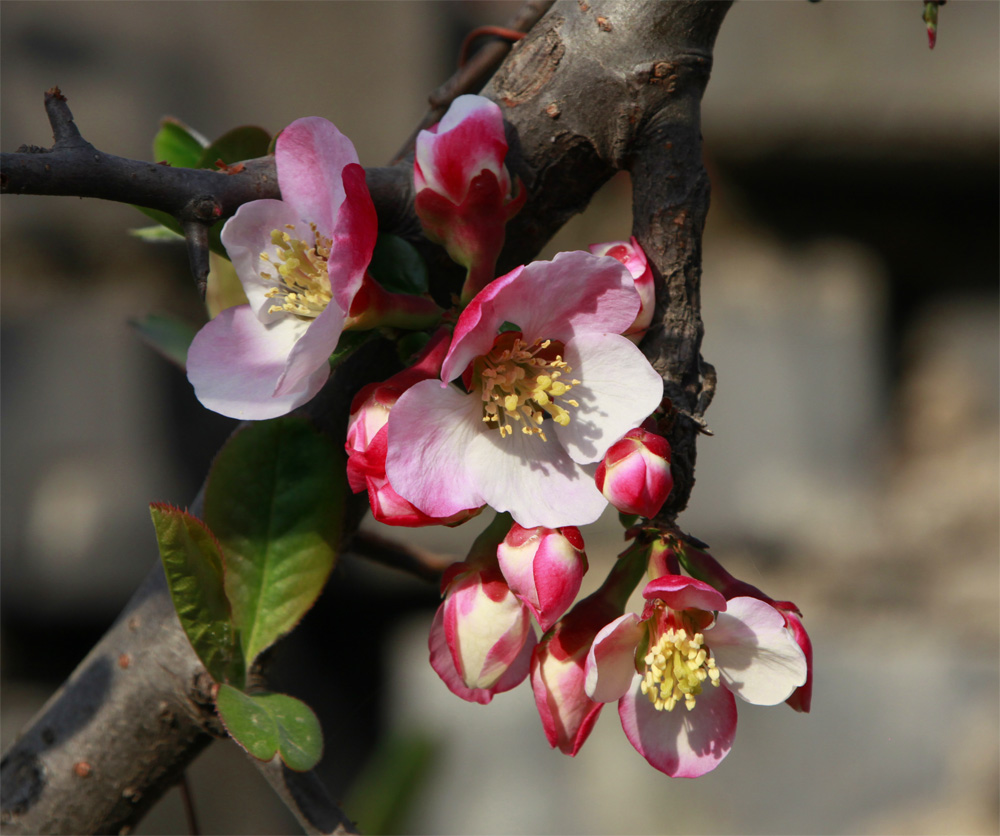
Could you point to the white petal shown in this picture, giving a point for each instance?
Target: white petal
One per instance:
(758, 656)
(431, 430)
(313, 349)
(535, 480)
(610, 664)
(618, 391)
(235, 362)
(248, 234)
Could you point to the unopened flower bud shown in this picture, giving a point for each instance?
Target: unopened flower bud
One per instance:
(632, 256)
(635, 473)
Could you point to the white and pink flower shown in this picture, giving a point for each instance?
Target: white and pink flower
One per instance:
(693, 651)
(481, 637)
(301, 260)
(544, 568)
(531, 410)
(633, 257)
(463, 190)
(635, 474)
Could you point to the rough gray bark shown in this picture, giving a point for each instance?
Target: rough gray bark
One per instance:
(595, 88)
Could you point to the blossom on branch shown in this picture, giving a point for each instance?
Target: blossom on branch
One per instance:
(544, 568)
(635, 473)
(481, 637)
(301, 260)
(632, 256)
(463, 188)
(693, 651)
(544, 385)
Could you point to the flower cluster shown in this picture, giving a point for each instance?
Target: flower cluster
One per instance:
(531, 398)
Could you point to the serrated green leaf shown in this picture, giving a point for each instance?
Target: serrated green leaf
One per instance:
(243, 143)
(168, 336)
(192, 562)
(178, 144)
(274, 499)
(267, 724)
(397, 266)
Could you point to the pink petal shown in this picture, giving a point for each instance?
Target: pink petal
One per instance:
(353, 236)
(611, 659)
(246, 235)
(618, 390)
(235, 362)
(567, 713)
(758, 656)
(535, 480)
(682, 593)
(310, 156)
(444, 665)
(431, 431)
(680, 743)
(469, 138)
(313, 349)
(575, 293)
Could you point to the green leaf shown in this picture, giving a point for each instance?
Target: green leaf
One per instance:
(156, 234)
(178, 144)
(243, 143)
(168, 336)
(192, 562)
(274, 499)
(267, 724)
(397, 266)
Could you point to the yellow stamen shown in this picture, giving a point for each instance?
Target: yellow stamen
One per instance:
(519, 382)
(302, 284)
(676, 667)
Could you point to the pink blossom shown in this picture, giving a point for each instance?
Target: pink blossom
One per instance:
(635, 474)
(694, 651)
(632, 256)
(531, 411)
(703, 566)
(558, 674)
(301, 260)
(367, 438)
(463, 188)
(481, 637)
(544, 568)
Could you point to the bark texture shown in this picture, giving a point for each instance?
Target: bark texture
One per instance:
(595, 87)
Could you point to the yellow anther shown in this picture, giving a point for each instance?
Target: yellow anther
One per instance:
(676, 667)
(302, 283)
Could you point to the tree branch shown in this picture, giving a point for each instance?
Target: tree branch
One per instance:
(594, 88)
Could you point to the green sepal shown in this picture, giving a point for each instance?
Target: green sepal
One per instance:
(236, 145)
(267, 724)
(169, 337)
(177, 144)
(397, 266)
(193, 564)
(274, 498)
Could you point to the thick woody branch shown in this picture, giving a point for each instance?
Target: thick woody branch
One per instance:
(596, 87)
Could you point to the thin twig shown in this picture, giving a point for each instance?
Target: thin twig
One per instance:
(473, 75)
(418, 562)
(188, 801)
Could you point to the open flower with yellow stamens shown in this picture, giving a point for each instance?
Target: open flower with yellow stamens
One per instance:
(301, 260)
(544, 385)
(674, 671)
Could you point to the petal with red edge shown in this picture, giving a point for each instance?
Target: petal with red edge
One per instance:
(680, 743)
(756, 653)
(610, 662)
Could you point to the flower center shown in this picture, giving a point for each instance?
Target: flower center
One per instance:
(521, 382)
(302, 283)
(676, 667)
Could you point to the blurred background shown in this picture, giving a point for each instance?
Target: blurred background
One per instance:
(850, 303)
